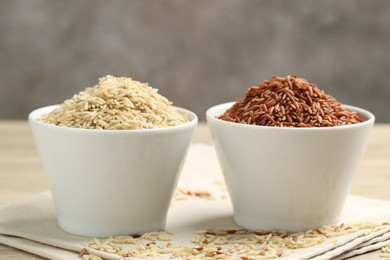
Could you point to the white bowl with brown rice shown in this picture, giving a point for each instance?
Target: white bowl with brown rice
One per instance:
(109, 177)
(287, 176)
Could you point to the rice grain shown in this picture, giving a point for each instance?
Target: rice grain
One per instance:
(116, 103)
(289, 102)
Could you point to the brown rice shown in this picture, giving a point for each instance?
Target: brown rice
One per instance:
(385, 252)
(116, 103)
(289, 102)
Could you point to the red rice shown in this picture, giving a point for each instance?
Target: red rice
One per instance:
(289, 102)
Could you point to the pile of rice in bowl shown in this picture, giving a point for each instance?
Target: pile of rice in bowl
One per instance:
(116, 103)
(289, 102)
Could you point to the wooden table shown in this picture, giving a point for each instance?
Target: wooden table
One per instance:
(21, 173)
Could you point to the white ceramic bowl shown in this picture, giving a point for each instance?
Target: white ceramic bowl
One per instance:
(292, 179)
(111, 182)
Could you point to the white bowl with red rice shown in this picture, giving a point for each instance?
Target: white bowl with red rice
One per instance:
(288, 178)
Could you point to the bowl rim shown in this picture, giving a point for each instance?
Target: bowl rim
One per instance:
(211, 114)
(33, 119)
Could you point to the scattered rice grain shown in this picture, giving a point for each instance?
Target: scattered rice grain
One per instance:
(232, 243)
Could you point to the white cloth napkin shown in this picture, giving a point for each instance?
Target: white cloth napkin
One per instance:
(31, 224)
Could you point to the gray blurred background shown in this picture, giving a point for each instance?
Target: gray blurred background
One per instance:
(197, 53)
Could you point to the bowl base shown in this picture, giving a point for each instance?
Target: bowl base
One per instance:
(106, 230)
(290, 226)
